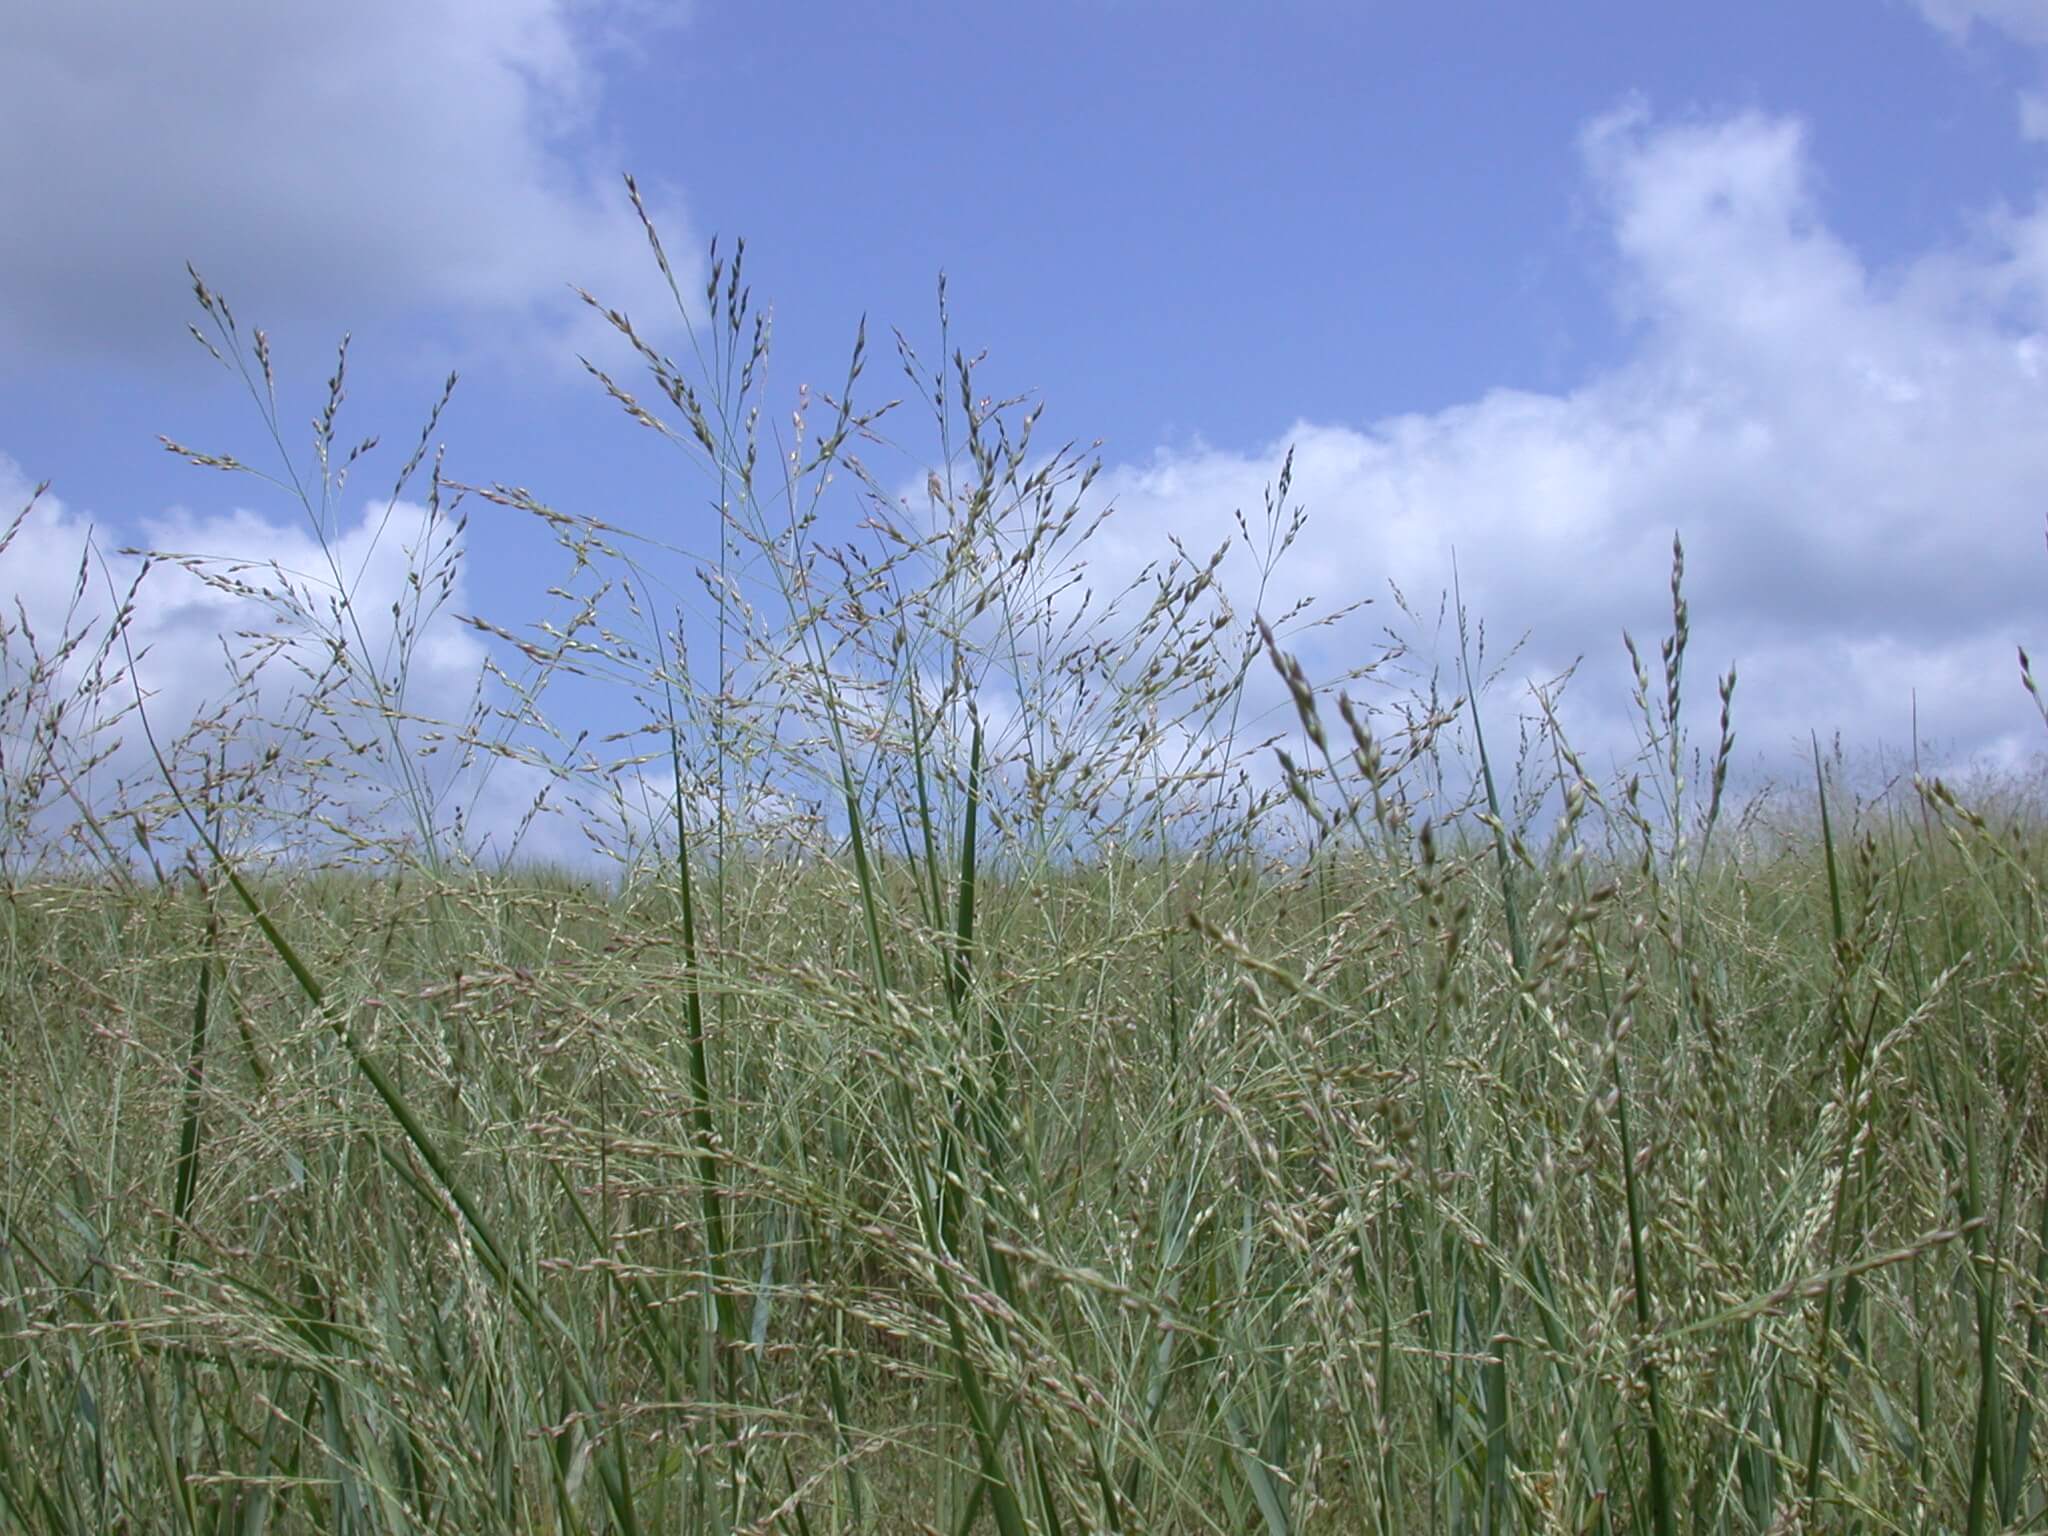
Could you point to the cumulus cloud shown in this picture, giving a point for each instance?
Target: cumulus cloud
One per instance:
(2033, 116)
(241, 624)
(430, 157)
(1855, 460)
(2024, 20)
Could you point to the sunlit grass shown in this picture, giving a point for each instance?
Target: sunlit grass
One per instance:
(1011, 1076)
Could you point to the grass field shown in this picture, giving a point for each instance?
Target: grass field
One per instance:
(1015, 1081)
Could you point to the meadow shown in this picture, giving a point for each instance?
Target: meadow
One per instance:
(1011, 1076)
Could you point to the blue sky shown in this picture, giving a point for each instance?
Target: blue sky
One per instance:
(1537, 284)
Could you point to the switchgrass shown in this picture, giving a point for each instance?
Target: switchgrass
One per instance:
(1011, 1077)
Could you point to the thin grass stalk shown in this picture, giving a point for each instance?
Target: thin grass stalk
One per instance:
(716, 1241)
(1550, 1318)
(1986, 1429)
(1494, 1382)
(497, 1261)
(970, 1104)
(881, 979)
(842, 1420)
(2030, 1386)
(992, 1137)
(952, 1186)
(649, 1328)
(1817, 1422)
(170, 1465)
(1009, 1512)
(1511, 908)
(1662, 1510)
(186, 1180)
(931, 894)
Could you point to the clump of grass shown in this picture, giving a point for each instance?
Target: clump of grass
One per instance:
(1015, 1076)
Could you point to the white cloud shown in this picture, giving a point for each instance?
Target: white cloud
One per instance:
(2024, 20)
(1853, 455)
(1854, 458)
(190, 637)
(429, 156)
(2034, 117)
